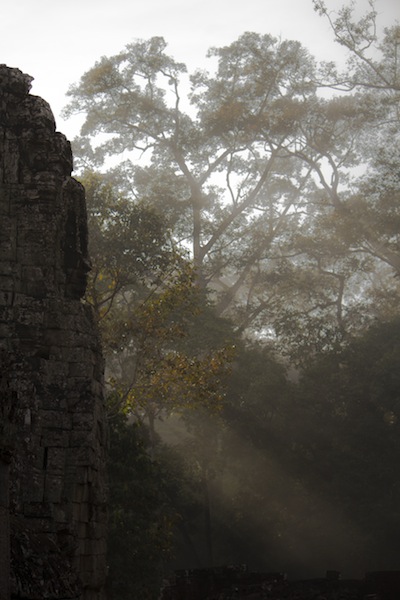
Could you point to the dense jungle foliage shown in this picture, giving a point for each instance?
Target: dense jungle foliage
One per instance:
(246, 258)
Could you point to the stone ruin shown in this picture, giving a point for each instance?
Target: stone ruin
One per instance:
(226, 583)
(52, 421)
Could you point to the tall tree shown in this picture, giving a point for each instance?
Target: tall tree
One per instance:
(129, 246)
(254, 165)
(372, 74)
(233, 196)
(147, 303)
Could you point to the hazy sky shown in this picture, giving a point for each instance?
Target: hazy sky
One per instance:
(56, 41)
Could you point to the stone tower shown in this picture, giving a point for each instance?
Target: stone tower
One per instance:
(53, 425)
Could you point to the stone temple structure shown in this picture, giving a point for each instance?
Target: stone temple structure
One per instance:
(53, 438)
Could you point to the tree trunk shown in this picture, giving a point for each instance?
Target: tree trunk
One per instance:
(152, 431)
(207, 521)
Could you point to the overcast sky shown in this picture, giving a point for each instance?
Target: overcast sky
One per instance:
(56, 41)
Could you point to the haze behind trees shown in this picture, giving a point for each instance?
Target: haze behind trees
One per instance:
(245, 274)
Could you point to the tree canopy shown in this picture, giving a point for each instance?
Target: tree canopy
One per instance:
(253, 169)
(246, 260)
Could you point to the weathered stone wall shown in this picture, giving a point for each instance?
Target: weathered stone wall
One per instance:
(52, 367)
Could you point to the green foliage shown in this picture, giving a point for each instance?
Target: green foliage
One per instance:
(141, 515)
(146, 299)
(248, 207)
(128, 243)
(350, 400)
(234, 131)
(258, 174)
(157, 373)
(309, 477)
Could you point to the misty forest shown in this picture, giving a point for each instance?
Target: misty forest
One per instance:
(244, 236)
